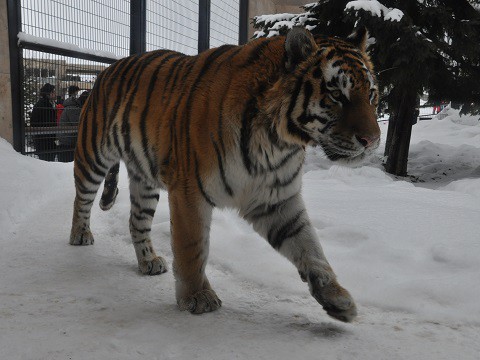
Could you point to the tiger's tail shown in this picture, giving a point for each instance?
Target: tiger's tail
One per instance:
(110, 188)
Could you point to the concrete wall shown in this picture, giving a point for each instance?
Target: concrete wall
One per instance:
(258, 7)
(6, 128)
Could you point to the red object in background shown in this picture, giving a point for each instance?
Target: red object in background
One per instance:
(59, 111)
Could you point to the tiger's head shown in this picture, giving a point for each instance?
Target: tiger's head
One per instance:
(329, 95)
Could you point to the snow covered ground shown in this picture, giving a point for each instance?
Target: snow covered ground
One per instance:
(408, 252)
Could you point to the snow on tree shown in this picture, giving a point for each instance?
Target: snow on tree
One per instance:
(418, 47)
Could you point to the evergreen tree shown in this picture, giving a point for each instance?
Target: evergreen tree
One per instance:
(420, 46)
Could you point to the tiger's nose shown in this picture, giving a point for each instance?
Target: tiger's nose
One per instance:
(367, 141)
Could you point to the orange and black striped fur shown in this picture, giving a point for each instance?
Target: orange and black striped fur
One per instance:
(226, 128)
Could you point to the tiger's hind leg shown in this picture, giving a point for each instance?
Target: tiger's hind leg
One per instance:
(110, 188)
(88, 177)
(144, 200)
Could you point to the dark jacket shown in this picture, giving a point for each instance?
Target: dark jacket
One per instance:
(70, 117)
(43, 113)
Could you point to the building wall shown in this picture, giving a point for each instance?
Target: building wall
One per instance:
(292, 9)
(6, 128)
(258, 7)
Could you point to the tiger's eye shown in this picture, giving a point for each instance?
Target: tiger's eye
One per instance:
(336, 94)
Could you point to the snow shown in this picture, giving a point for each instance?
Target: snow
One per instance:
(394, 15)
(376, 9)
(280, 21)
(270, 19)
(408, 253)
(23, 37)
(272, 24)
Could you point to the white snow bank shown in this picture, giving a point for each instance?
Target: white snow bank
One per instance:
(24, 181)
(409, 256)
(452, 151)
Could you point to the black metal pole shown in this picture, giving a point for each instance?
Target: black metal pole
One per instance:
(138, 26)
(203, 25)
(14, 10)
(243, 23)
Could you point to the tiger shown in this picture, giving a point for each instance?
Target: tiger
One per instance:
(227, 128)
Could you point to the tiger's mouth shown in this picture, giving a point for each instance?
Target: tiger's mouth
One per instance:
(344, 155)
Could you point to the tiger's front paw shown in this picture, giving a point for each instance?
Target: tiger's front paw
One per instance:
(335, 300)
(81, 238)
(201, 302)
(153, 267)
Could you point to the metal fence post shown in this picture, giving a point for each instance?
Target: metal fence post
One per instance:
(243, 23)
(138, 26)
(203, 25)
(14, 27)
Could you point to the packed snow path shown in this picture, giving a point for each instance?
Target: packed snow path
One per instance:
(408, 254)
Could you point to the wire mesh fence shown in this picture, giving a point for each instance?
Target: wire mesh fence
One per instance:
(172, 25)
(95, 25)
(224, 22)
(67, 43)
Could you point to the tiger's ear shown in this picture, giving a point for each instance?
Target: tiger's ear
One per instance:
(299, 45)
(359, 38)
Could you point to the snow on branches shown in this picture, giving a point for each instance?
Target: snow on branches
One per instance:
(376, 9)
(279, 23)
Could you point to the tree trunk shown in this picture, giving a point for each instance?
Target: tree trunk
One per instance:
(388, 142)
(399, 132)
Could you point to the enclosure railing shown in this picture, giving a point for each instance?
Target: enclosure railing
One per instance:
(67, 44)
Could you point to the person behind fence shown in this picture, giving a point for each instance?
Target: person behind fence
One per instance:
(70, 101)
(73, 91)
(67, 137)
(59, 108)
(43, 115)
